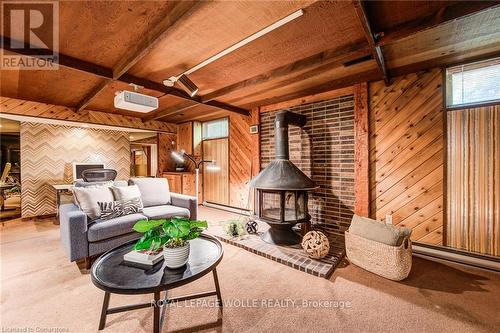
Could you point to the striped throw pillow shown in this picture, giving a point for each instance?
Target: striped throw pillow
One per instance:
(113, 209)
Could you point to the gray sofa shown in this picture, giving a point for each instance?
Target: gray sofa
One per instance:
(83, 238)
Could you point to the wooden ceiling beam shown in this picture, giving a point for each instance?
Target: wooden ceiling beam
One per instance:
(168, 111)
(370, 37)
(62, 59)
(346, 81)
(155, 35)
(442, 16)
(332, 57)
(106, 73)
(139, 50)
(93, 93)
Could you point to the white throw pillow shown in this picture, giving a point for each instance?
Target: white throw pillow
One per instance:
(88, 197)
(154, 191)
(126, 192)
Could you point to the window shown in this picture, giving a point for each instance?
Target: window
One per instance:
(472, 84)
(215, 129)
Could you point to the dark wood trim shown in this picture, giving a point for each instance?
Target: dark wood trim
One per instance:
(471, 106)
(442, 61)
(255, 142)
(169, 111)
(89, 68)
(361, 150)
(63, 60)
(89, 97)
(440, 17)
(332, 57)
(308, 99)
(376, 50)
(225, 106)
(158, 32)
(344, 82)
(85, 119)
(445, 159)
(141, 49)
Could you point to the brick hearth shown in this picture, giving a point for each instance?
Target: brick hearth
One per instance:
(294, 256)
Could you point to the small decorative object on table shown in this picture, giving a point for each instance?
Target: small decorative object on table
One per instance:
(251, 227)
(234, 228)
(144, 257)
(315, 244)
(173, 235)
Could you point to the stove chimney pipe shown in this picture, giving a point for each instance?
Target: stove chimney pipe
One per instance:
(281, 122)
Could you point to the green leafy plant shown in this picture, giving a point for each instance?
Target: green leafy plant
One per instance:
(175, 231)
(234, 228)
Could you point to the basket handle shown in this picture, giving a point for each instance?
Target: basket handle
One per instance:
(406, 242)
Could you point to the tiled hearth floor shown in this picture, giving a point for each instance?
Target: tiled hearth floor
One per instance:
(287, 255)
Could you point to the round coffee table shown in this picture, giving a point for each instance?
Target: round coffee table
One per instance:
(111, 274)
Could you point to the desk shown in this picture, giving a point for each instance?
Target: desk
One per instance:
(60, 188)
(4, 187)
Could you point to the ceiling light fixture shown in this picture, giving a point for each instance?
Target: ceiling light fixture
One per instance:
(187, 85)
(171, 81)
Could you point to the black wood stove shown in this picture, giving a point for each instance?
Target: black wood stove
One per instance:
(281, 188)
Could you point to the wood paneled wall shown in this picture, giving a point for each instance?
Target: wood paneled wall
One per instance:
(407, 153)
(58, 112)
(216, 184)
(166, 143)
(185, 137)
(473, 183)
(240, 160)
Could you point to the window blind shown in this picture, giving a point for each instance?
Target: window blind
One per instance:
(474, 83)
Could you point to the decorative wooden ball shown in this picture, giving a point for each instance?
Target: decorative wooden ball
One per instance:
(251, 227)
(315, 244)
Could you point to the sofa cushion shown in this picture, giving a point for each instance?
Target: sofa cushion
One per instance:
(378, 231)
(114, 209)
(87, 199)
(118, 226)
(165, 212)
(154, 191)
(126, 192)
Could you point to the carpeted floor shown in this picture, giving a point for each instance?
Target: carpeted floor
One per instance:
(41, 290)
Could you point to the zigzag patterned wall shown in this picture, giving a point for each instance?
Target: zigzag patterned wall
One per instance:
(47, 154)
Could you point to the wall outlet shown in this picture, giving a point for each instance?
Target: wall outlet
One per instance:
(388, 219)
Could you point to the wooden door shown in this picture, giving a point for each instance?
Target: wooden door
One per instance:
(216, 183)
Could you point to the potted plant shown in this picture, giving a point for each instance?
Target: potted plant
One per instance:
(172, 234)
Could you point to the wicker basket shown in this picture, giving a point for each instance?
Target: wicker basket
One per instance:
(391, 262)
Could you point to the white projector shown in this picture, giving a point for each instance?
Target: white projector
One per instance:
(133, 101)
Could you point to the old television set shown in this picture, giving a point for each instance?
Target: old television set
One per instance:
(79, 167)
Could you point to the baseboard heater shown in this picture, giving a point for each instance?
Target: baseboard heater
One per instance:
(227, 208)
(424, 251)
(451, 255)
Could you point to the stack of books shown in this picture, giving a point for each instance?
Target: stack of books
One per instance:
(144, 257)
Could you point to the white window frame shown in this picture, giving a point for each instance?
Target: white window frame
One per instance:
(448, 87)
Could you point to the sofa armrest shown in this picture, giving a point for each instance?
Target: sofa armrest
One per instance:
(73, 228)
(185, 201)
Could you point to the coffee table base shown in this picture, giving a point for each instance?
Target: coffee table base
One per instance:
(158, 303)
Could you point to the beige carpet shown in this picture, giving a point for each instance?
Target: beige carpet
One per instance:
(41, 289)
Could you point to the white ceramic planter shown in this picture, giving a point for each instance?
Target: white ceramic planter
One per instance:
(176, 257)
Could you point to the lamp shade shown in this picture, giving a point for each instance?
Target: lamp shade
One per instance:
(178, 156)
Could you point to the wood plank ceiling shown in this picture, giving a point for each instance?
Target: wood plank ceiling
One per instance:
(106, 45)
